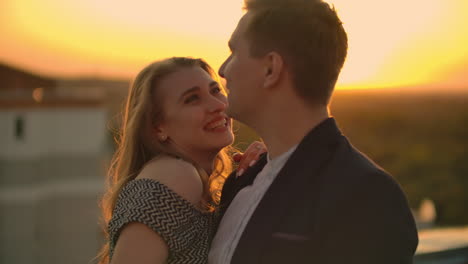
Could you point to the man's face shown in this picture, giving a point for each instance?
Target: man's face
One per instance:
(243, 74)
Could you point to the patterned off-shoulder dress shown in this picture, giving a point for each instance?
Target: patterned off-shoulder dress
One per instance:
(186, 230)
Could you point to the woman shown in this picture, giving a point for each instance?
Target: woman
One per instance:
(171, 161)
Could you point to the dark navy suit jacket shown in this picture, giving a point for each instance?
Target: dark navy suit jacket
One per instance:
(329, 204)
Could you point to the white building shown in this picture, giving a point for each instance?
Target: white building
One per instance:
(53, 156)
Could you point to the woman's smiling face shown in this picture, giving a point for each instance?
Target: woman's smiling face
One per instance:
(194, 118)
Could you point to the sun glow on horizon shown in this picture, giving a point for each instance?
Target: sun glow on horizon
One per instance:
(393, 43)
(401, 43)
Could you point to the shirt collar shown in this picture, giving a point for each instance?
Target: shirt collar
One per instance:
(281, 159)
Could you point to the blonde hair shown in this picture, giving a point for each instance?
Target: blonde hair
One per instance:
(135, 147)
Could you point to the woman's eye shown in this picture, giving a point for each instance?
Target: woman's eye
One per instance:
(215, 90)
(191, 98)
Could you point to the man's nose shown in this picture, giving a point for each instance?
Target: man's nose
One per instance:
(221, 69)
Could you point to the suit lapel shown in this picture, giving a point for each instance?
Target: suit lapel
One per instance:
(234, 184)
(299, 175)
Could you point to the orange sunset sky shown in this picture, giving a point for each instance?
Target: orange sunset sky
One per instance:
(393, 43)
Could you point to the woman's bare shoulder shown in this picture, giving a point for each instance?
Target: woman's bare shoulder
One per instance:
(178, 175)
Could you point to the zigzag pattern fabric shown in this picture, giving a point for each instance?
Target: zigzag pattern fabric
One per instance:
(186, 230)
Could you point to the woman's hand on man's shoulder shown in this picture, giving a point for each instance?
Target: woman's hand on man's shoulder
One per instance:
(249, 157)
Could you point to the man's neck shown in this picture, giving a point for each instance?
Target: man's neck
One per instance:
(286, 128)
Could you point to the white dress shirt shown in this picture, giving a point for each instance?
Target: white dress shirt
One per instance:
(241, 209)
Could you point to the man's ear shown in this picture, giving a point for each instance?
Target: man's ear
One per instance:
(273, 67)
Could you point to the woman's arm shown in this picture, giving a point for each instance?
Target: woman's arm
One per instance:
(138, 244)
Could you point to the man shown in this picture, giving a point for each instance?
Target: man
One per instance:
(314, 198)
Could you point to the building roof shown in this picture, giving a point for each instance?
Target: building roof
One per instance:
(12, 78)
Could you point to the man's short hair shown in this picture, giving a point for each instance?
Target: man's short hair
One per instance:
(308, 35)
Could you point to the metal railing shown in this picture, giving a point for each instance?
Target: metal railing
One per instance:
(450, 256)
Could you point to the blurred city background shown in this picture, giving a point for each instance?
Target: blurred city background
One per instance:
(65, 68)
